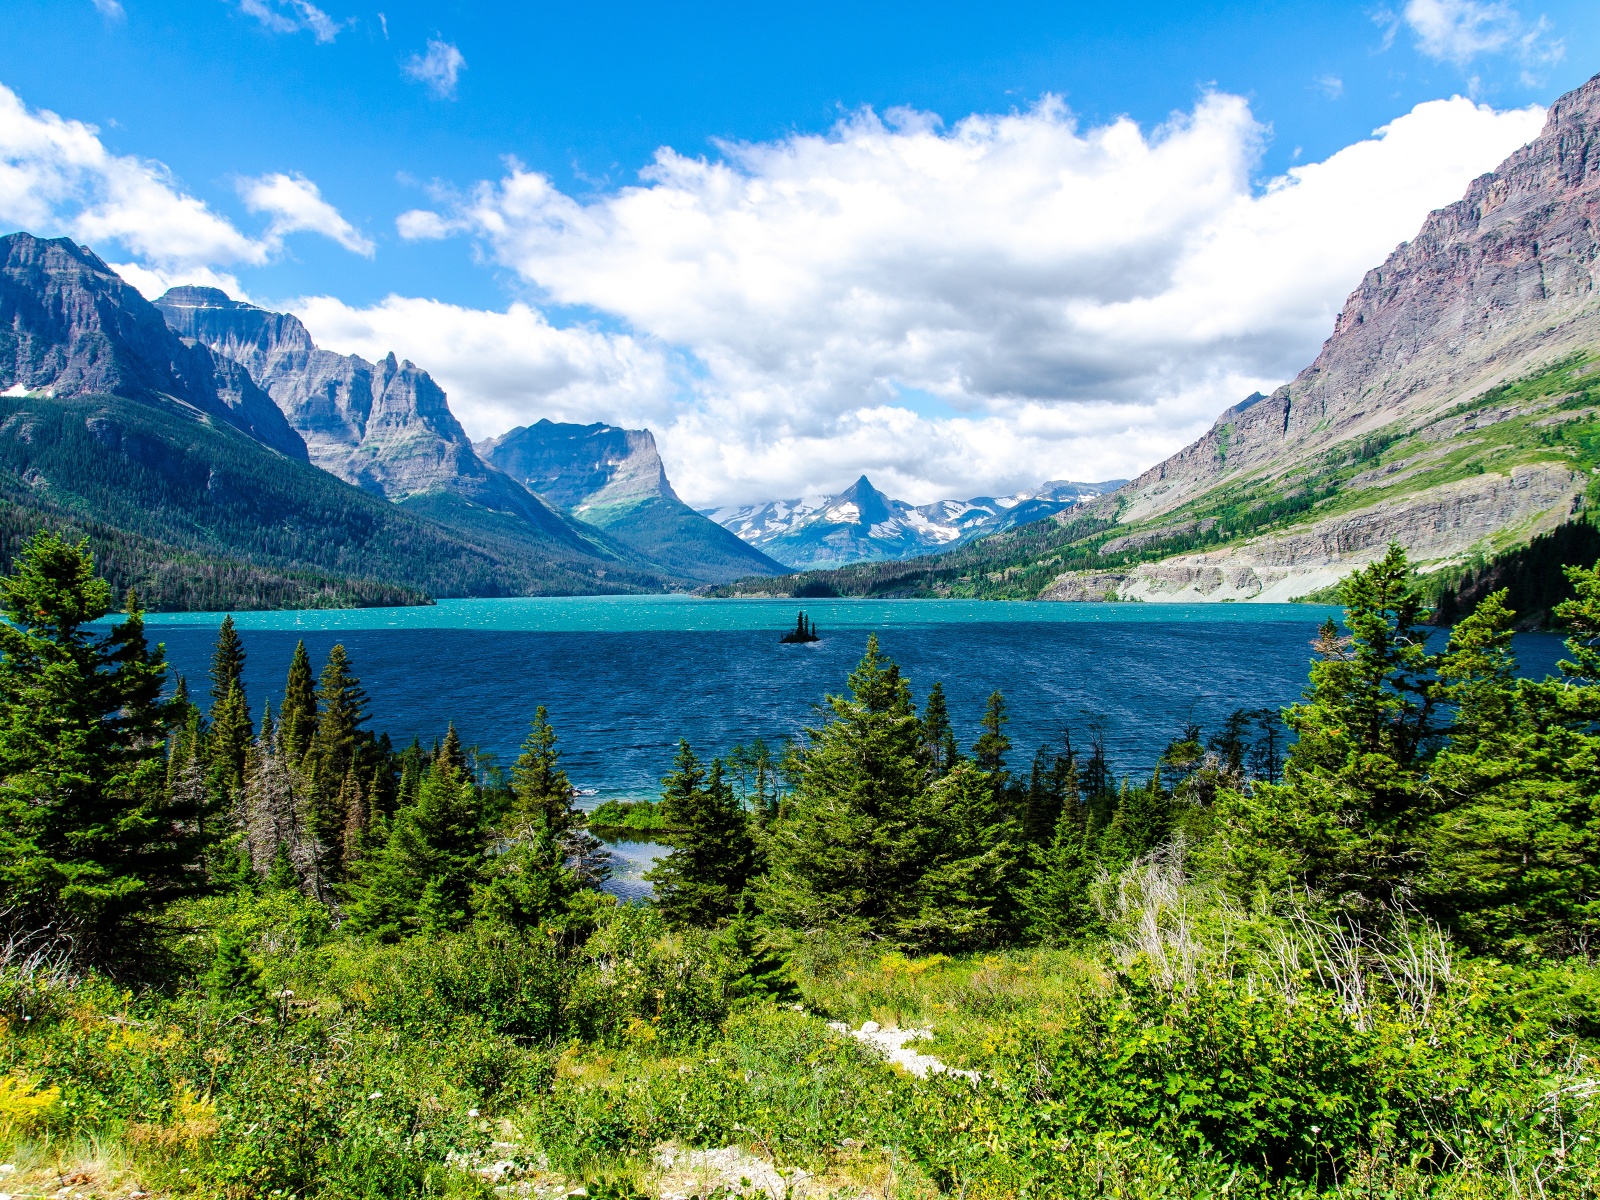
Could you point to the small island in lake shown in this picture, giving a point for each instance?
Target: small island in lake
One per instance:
(803, 631)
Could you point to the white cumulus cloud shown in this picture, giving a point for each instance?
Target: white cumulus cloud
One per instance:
(111, 10)
(57, 177)
(438, 69)
(297, 205)
(970, 309)
(506, 368)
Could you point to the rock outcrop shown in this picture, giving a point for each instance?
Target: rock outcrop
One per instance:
(614, 479)
(70, 326)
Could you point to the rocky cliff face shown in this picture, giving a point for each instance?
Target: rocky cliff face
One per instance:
(386, 427)
(70, 326)
(580, 466)
(614, 479)
(1494, 287)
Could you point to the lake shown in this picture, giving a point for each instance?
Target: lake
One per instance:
(624, 677)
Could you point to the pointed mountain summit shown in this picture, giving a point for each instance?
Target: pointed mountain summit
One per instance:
(862, 524)
(70, 326)
(614, 479)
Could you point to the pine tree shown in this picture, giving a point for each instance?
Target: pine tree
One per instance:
(966, 867)
(1143, 820)
(336, 747)
(1350, 818)
(450, 756)
(353, 802)
(231, 734)
(989, 751)
(938, 738)
(297, 718)
(846, 851)
(1514, 859)
(1057, 897)
(529, 884)
(89, 840)
(1052, 788)
(542, 790)
(424, 876)
(699, 883)
(227, 663)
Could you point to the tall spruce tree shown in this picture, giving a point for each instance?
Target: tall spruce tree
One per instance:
(336, 749)
(700, 882)
(1056, 899)
(1350, 819)
(846, 851)
(297, 717)
(227, 662)
(989, 751)
(1514, 858)
(543, 794)
(90, 843)
(966, 870)
(938, 737)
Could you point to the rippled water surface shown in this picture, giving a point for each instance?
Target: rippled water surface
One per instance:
(625, 677)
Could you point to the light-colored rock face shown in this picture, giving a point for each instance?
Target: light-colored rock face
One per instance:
(1501, 282)
(581, 466)
(386, 427)
(862, 524)
(70, 326)
(1441, 524)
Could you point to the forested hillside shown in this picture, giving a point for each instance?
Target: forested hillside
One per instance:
(164, 477)
(1341, 951)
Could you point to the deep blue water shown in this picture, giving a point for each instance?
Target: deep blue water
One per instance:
(624, 678)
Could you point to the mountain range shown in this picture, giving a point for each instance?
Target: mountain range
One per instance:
(862, 524)
(215, 456)
(1455, 409)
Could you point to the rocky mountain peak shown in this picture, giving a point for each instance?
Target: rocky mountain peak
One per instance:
(872, 506)
(1504, 280)
(71, 326)
(581, 466)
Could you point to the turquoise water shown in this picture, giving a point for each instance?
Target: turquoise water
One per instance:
(625, 677)
(688, 614)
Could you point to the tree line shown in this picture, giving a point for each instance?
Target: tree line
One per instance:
(1408, 779)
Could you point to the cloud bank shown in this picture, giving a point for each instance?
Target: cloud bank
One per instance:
(57, 177)
(957, 310)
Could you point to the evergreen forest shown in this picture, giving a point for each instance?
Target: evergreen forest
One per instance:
(1346, 949)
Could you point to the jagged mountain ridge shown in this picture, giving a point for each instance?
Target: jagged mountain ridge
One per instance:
(70, 326)
(386, 427)
(113, 424)
(862, 524)
(614, 479)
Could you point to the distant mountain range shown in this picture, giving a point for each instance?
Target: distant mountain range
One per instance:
(862, 524)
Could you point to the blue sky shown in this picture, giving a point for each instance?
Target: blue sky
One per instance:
(410, 107)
